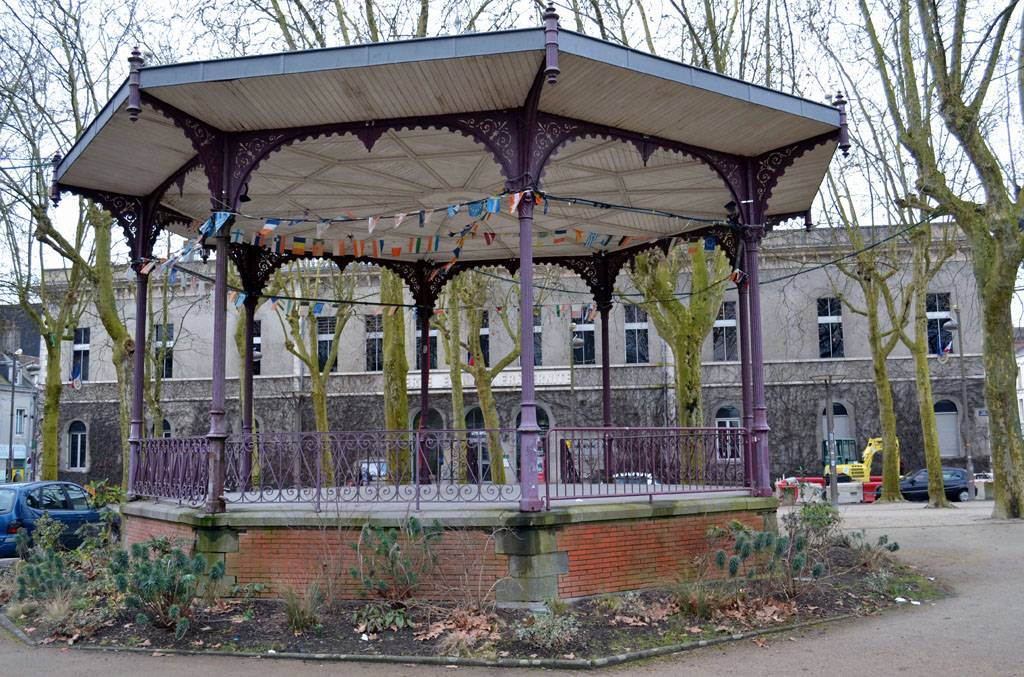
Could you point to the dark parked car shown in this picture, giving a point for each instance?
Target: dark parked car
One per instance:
(21, 504)
(914, 486)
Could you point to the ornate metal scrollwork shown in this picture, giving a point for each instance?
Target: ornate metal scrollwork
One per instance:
(255, 265)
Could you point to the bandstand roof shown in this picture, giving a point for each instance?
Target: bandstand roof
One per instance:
(421, 164)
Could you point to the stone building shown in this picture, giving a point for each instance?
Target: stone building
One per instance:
(18, 408)
(808, 331)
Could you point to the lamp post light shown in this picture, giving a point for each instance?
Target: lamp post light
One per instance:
(953, 326)
(830, 438)
(574, 343)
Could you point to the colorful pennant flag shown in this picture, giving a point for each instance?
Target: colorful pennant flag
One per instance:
(493, 205)
(476, 208)
(318, 307)
(219, 219)
(298, 245)
(399, 217)
(321, 227)
(513, 201)
(318, 247)
(372, 222)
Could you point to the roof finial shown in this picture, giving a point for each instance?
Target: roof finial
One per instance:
(844, 133)
(551, 70)
(135, 64)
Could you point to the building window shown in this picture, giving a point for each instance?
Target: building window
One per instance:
(485, 338)
(947, 427)
(538, 334)
(830, 328)
(257, 345)
(163, 344)
(728, 444)
(325, 327)
(20, 416)
(636, 335)
(583, 318)
(166, 429)
(723, 334)
(76, 446)
(80, 354)
(840, 422)
(937, 309)
(374, 342)
(419, 343)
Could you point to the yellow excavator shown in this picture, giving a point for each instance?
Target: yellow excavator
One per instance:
(848, 469)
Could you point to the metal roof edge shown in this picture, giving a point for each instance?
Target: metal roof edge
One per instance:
(107, 112)
(347, 56)
(585, 46)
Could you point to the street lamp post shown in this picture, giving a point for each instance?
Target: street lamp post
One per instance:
(953, 325)
(830, 440)
(12, 375)
(574, 343)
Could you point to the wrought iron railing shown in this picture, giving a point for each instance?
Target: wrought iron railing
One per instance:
(608, 462)
(172, 467)
(447, 466)
(372, 466)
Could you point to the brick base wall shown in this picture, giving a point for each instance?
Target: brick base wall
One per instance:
(632, 555)
(136, 529)
(588, 550)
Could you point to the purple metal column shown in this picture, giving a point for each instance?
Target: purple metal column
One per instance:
(748, 412)
(422, 462)
(218, 421)
(247, 392)
(528, 429)
(139, 365)
(761, 482)
(606, 370)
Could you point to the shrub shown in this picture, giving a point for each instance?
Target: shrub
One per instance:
(300, 609)
(163, 588)
(771, 564)
(700, 598)
(393, 561)
(46, 576)
(548, 631)
(817, 523)
(378, 616)
(871, 553)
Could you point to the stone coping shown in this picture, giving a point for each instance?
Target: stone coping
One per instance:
(460, 515)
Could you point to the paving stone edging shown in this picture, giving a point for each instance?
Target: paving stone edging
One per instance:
(552, 663)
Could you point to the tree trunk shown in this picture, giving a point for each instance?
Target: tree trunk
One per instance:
(1007, 448)
(922, 375)
(107, 309)
(452, 353)
(396, 367)
(51, 410)
(481, 377)
(886, 411)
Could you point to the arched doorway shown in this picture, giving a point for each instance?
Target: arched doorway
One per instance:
(478, 454)
(433, 446)
(840, 420)
(947, 427)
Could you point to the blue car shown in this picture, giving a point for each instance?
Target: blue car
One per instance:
(21, 504)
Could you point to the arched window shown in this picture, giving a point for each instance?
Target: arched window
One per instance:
(76, 446)
(434, 420)
(478, 455)
(947, 427)
(841, 422)
(727, 417)
(166, 431)
(727, 444)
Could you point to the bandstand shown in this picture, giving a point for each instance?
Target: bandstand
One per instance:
(430, 157)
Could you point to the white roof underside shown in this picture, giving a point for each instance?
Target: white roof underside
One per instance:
(414, 169)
